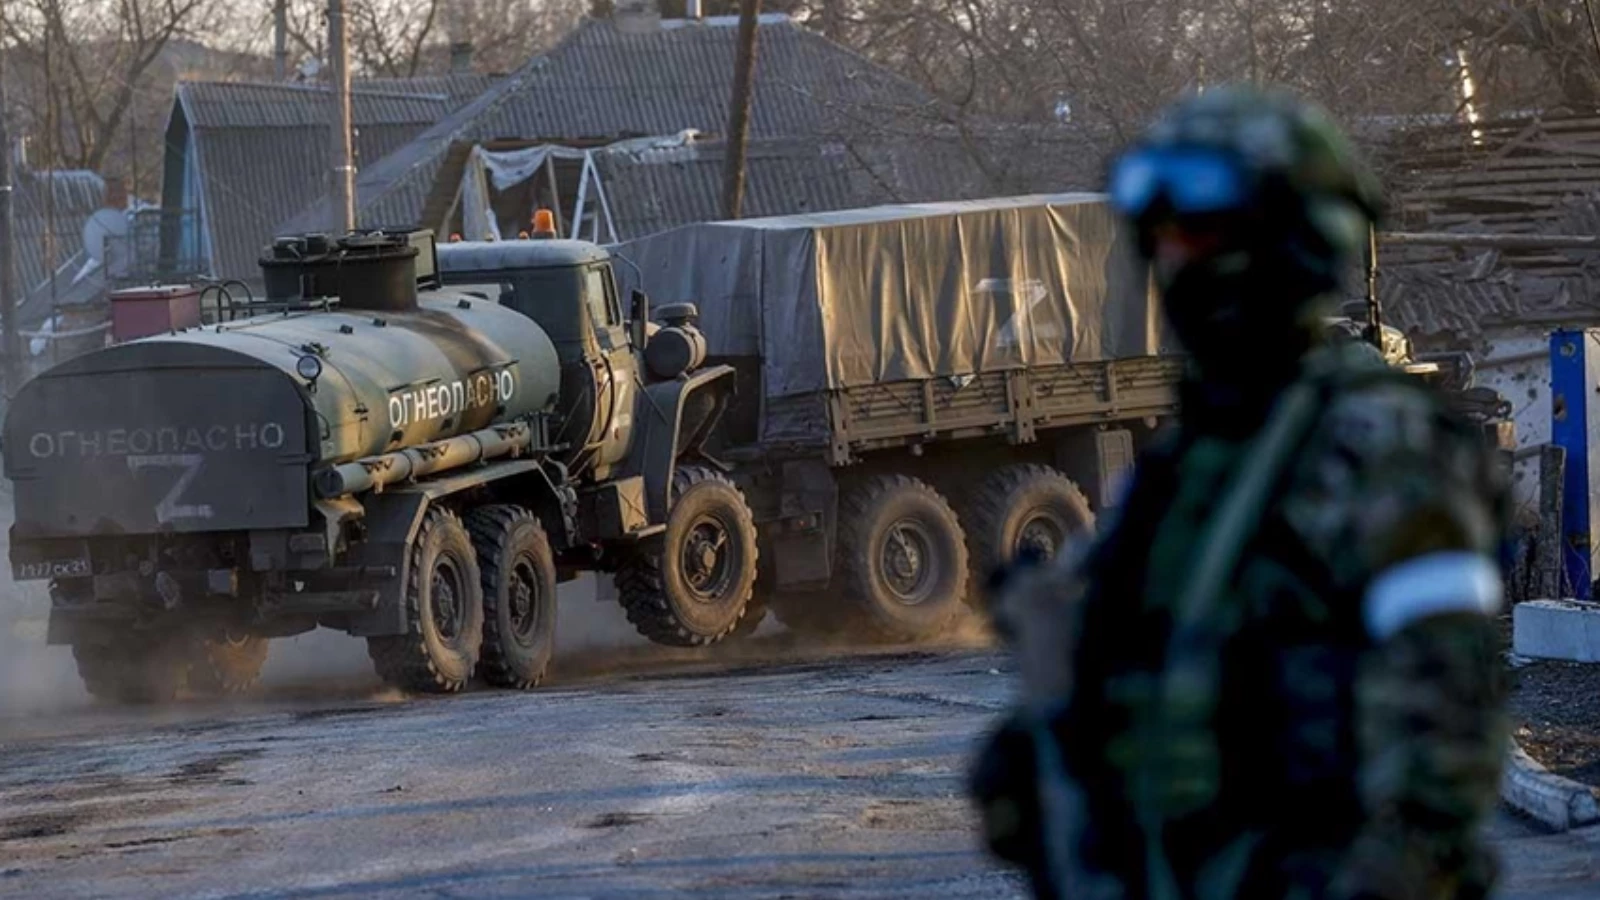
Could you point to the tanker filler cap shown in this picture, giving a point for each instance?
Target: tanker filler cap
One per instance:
(364, 270)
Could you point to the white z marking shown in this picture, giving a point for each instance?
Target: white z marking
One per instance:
(1031, 293)
(169, 509)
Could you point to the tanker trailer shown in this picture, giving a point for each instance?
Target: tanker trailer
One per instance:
(377, 454)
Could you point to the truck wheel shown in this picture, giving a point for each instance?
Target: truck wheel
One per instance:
(1024, 506)
(225, 665)
(902, 559)
(444, 613)
(141, 668)
(519, 596)
(694, 586)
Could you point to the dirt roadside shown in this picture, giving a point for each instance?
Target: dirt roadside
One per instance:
(1555, 712)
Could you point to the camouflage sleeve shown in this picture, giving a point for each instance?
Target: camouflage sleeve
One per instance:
(1409, 511)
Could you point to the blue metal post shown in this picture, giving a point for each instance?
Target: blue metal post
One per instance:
(1573, 359)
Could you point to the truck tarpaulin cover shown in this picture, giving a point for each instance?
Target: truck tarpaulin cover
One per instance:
(838, 300)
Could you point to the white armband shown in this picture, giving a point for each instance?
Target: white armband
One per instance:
(1436, 584)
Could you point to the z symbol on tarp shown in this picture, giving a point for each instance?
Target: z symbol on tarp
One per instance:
(1031, 292)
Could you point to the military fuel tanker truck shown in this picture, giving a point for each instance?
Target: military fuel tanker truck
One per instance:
(371, 451)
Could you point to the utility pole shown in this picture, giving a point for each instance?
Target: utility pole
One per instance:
(744, 71)
(1594, 26)
(280, 37)
(344, 170)
(12, 346)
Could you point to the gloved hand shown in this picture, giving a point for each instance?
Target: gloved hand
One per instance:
(1002, 782)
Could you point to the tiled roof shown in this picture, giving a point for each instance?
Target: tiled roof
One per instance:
(263, 148)
(607, 83)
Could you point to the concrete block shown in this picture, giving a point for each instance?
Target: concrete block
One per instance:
(1559, 804)
(1556, 629)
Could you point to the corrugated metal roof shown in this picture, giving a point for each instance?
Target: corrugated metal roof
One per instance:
(654, 192)
(391, 101)
(77, 195)
(256, 177)
(661, 189)
(263, 148)
(603, 82)
(458, 90)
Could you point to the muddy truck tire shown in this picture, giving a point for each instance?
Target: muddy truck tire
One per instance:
(140, 668)
(1023, 506)
(519, 596)
(225, 665)
(444, 613)
(691, 586)
(902, 562)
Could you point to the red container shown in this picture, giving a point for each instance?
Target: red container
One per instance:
(158, 309)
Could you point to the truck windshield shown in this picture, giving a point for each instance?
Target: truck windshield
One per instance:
(543, 295)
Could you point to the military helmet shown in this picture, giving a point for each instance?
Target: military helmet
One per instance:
(1243, 146)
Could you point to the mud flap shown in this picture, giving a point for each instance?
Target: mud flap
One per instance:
(674, 419)
(801, 546)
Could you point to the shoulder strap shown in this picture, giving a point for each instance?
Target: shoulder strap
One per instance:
(1244, 504)
(1187, 688)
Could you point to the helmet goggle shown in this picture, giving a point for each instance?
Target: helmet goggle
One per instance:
(1194, 181)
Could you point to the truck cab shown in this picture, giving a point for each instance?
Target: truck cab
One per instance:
(569, 289)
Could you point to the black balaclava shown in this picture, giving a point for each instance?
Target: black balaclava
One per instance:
(1248, 313)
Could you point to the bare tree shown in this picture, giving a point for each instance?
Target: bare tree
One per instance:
(80, 68)
(408, 38)
(1523, 48)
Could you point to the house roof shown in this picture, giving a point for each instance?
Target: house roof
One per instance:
(605, 82)
(1518, 174)
(262, 149)
(46, 234)
(654, 190)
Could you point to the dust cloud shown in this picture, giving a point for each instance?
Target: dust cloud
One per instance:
(34, 678)
(593, 640)
(590, 628)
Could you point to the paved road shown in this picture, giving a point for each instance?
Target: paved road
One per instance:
(837, 778)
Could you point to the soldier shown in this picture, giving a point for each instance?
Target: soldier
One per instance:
(1287, 682)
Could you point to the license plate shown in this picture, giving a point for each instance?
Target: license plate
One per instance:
(51, 568)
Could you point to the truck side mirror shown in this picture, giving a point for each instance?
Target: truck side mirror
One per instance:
(640, 318)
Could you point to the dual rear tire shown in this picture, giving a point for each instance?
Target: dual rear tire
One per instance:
(906, 563)
(480, 599)
(519, 596)
(1023, 508)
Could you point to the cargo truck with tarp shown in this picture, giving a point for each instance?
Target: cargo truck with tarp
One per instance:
(923, 390)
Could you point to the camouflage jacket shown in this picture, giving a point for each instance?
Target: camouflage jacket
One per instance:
(1332, 725)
